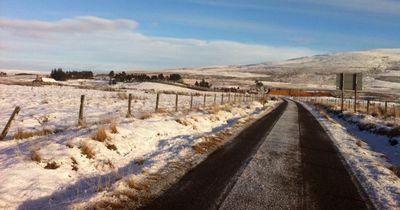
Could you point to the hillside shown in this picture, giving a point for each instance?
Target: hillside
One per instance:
(381, 69)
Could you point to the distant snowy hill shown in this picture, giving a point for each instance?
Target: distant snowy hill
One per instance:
(371, 61)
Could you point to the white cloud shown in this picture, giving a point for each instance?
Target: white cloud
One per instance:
(101, 44)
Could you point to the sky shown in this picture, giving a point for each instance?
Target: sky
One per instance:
(101, 35)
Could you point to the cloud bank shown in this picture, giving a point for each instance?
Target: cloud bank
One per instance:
(103, 44)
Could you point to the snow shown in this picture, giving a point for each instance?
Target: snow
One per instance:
(142, 145)
(368, 162)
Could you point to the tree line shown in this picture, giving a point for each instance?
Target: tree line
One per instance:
(60, 75)
(124, 77)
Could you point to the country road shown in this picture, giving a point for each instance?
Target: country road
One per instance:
(285, 160)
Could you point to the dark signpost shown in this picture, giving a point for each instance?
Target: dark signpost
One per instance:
(349, 81)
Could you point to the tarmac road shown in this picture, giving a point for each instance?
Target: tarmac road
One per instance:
(285, 160)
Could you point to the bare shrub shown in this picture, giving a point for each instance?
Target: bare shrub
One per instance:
(52, 165)
(87, 149)
(20, 134)
(100, 134)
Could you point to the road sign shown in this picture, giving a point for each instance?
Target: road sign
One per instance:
(350, 81)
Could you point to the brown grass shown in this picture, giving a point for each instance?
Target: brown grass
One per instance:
(70, 144)
(74, 164)
(145, 115)
(111, 146)
(214, 109)
(396, 170)
(20, 134)
(183, 122)
(52, 165)
(208, 144)
(87, 149)
(134, 183)
(359, 143)
(35, 155)
(122, 96)
(113, 127)
(100, 134)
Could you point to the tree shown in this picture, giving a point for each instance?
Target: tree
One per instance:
(58, 74)
(161, 77)
(175, 77)
(111, 75)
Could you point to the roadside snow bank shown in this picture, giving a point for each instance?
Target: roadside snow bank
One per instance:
(369, 167)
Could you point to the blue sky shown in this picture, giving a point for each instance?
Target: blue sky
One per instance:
(158, 34)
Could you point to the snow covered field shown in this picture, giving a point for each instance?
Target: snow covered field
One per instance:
(369, 157)
(74, 164)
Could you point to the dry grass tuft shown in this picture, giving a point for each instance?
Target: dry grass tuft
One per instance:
(109, 205)
(359, 143)
(122, 96)
(134, 183)
(214, 109)
(87, 149)
(100, 134)
(111, 146)
(35, 155)
(139, 161)
(145, 115)
(208, 144)
(113, 127)
(70, 144)
(227, 108)
(28, 134)
(183, 122)
(52, 165)
(396, 170)
(74, 164)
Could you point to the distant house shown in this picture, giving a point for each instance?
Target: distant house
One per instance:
(3, 74)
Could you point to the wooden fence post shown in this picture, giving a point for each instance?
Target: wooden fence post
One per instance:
(368, 106)
(129, 105)
(229, 97)
(80, 119)
(157, 100)
(205, 96)
(215, 98)
(8, 125)
(222, 99)
(176, 102)
(234, 98)
(386, 108)
(191, 100)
